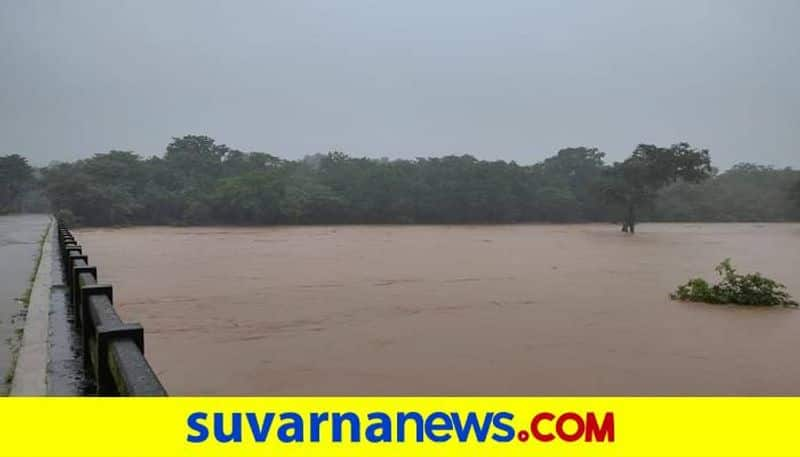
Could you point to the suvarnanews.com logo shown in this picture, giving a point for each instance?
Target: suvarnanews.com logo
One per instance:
(399, 427)
(394, 426)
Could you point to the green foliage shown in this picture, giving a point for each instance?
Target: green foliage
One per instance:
(794, 193)
(65, 217)
(201, 182)
(635, 183)
(733, 288)
(16, 177)
(746, 192)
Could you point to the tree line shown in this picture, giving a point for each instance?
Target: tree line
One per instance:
(198, 181)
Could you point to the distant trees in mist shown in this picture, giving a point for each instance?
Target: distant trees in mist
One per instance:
(17, 184)
(199, 181)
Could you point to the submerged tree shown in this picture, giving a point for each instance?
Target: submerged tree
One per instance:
(734, 288)
(635, 182)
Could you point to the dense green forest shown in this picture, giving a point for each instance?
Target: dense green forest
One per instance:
(198, 181)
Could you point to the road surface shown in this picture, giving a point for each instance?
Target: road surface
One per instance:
(19, 248)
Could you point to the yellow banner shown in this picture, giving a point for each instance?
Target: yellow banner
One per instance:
(400, 426)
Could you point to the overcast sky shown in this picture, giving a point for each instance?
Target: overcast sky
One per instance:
(513, 80)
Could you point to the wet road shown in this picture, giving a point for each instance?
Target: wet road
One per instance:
(19, 248)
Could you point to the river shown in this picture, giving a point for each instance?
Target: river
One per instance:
(517, 309)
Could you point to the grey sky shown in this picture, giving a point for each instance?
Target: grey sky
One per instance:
(513, 80)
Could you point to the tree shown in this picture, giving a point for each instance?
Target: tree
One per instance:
(635, 182)
(252, 198)
(199, 181)
(72, 190)
(237, 163)
(196, 159)
(106, 189)
(575, 173)
(746, 192)
(307, 201)
(16, 176)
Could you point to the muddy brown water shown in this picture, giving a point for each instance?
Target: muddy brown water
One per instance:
(521, 309)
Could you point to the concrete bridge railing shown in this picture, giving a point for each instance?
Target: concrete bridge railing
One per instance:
(113, 350)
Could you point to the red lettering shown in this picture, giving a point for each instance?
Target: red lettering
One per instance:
(544, 437)
(586, 427)
(597, 432)
(563, 434)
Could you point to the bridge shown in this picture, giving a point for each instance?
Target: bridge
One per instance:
(73, 341)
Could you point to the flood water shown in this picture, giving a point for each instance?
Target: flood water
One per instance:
(521, 309)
